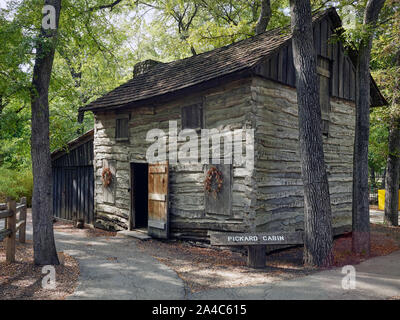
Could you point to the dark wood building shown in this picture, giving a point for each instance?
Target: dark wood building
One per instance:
(73, 180)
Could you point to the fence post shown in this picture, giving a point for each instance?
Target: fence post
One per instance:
(256, 256)
(22, 216)
(10, 240)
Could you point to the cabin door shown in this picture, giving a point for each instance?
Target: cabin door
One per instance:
(158, 223)
(139, 195)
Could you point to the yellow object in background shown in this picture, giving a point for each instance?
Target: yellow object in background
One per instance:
(381, 199)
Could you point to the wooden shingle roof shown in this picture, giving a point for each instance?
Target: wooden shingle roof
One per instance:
(168, 78)
(172, 76)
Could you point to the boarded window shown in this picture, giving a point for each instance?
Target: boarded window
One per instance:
(220, 204)
(323, 69)
(192, 116)
(122, 129)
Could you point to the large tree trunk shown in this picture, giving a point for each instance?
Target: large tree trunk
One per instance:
(317, 209)
(393, 162)
(265, 16)
(360, 225)
(392, 176)
(42, 200)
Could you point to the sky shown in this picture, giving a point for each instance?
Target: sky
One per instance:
(3, 3)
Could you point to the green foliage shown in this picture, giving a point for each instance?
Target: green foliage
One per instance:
(98, 47)
(378, 139)
(16, 184)
(386, 71)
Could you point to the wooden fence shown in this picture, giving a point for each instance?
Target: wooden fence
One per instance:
(13, 225)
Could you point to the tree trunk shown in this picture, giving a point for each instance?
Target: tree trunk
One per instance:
(317, 209)
(42, 200)
(393, 162)
(265, 16)
(392, 176)
(360, 224)
(383, 186)
(373, 178)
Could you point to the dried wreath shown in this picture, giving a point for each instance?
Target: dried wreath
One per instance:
(106, 177)
(209, 186)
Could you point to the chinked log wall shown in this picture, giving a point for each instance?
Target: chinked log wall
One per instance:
(278, 173)
(227, 107)
(270, 199)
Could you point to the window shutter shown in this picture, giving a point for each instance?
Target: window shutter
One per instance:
(192, 116)
(122, 129)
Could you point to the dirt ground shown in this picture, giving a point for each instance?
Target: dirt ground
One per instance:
(201, 268)
(66, 226)
(22, 280)
(207, 268)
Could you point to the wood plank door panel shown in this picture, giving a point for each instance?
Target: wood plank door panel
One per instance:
(158, 221)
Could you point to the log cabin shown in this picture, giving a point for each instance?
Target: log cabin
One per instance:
(246, 85)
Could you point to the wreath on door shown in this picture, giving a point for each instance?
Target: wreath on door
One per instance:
(106, 177)
(213, 181)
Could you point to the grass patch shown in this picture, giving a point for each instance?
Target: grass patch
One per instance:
(16, 184)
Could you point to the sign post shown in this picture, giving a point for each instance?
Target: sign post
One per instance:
(256, 243)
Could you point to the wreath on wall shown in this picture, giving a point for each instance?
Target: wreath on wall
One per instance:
(106, 177)
(213, 181)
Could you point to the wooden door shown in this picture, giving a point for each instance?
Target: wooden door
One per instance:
(158, 222)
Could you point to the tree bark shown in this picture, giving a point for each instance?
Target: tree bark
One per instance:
(373, 178)
(360, 224)
(42, 200)
(317, 209)
(265, 16)
(391, 216)
(383, 186)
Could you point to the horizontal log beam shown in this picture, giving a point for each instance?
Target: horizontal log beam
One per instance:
(19, 224)
(5, 214)
(20, 206)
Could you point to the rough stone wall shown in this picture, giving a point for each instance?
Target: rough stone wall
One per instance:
(227, 107)
(278, 174)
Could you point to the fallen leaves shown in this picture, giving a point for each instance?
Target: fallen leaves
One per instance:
(203, 268)
(23, 279)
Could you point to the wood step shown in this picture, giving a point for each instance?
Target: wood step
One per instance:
(134, 234)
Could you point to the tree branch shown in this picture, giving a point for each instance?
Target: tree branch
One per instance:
(265, 16)
(106, 6)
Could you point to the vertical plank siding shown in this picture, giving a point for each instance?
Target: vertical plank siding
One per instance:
(280, 66)
(73, 184)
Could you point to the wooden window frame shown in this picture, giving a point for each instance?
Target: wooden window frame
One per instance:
(198, 105)
(117, 119)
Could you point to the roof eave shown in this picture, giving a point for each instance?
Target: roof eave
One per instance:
(169, 96)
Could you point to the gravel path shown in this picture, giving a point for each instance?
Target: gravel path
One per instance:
(114, 268)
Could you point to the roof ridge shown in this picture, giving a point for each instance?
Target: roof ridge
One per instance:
(204, 66)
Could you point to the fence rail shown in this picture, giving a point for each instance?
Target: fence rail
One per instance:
(13, 225)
